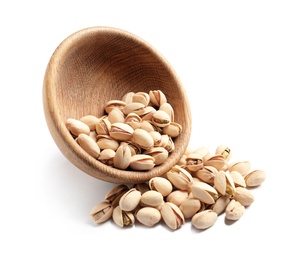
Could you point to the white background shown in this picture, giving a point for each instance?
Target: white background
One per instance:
(231, 56)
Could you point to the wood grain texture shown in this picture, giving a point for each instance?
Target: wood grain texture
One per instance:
(98, 64)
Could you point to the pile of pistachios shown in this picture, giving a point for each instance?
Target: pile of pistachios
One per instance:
(135, 133)
(199, 188)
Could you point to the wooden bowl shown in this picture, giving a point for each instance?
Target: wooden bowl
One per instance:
(98, 64)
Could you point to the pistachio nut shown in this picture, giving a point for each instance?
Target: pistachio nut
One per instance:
(141, 97)
(91, 121)
(243, 167)
(244, 196)
(179, 177)
(89, 145)
(114, 195)
(134, 107)
(121, 131)
(204, 219)
(160, 184)
(151, 198)
(135, 149)
(194, 162)
(238, 179)
(148, 216)
(224, 184)
(128, 97)
(156, 136)
(123, 218)
(177, 197)
(103, 127)
(77, 127)
(130, 200)
(166, 107)
(116, 116)
(172, 215)
(161, 118)
(220, 205)
(157, 97)
(114, 104)
(102, 212)
(145, 125)
(107, 142)
(132, 118)
(234, 210)
(207, 174)
(122, 157)
(141, 162)
(217, 161)
(147, 113)
(167, 143)
(189, 207)
(143, 139)
(159, 154)
(255, 178)
(204, 192)
(224, 151)
(173, 129)
(107, 156)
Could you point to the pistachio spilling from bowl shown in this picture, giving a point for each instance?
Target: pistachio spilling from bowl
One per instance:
(135, 133)
(197, 189)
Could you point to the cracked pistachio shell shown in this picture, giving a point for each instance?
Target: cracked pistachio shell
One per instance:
(102, 212)
(173, 129)
(91, 121)
(238, 179)
(130, 200)
(89, 145)
(220, 205)
(116, 116)
(189, 207)
(244, 196)
(179, 177)
(157, 97)
(234, 210)
(216, 161)
(151, 198)
(135, 149)
(160, 184)
(143, 139)
(133, 117)
(121, 131)
(147, 113)
(161, 118)
(204, 192)
(128, 97)
(167, 143)
(224, 151)
(204, 219)
(255, 178)
(194, 162)
(242, 167)
(224, 184)
(134, 107)
(114, 104)
(77, 127)
(114, 195)
(141, 162)
(148, 216)
(166, 107)
(172, 215)
(207, 174)
(123, 218)
(106, 142)
(159, 154)
(141, 97)
(156, 136)
(107, 156)
(177, 197)
(103, 127)
(122, 157)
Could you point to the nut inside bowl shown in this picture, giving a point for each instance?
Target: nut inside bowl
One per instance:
(98, 64)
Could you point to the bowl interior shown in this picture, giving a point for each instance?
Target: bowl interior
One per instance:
(98, 64)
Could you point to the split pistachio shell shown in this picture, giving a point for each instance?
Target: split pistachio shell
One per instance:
(255, 178)
(122, 157)
(194, 162)
(217, 161)
(132, 117)
(157, 97)
(204, 192)
(244, 196)
(141, 162)
(159, 154)
(143, 139)
(172, 215)
(114, 104)
(224, 184)
(114, 195)
(77, 127)
(207, 174)
(161, 118)
(234, 210)
(179, 177)
(91, 121)
(177, 197)
(103, 127)
(189, 207)
(148, 216)
(160, 184)
(224, 151)
(141, 97)
(147, 113)
(107, 156)
(152, 198)
(134, 107)
(121, 131)
(89, 145)
(130, 200)
(102, 212)
(106, 142)
(156, 136)
(123, 218)
(166, 107)
(238, 179)
(116, 116)
(204, 219)
(243, 167)
(220, 205)
(128, 97)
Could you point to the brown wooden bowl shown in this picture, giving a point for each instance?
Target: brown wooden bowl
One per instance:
(98, 64)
